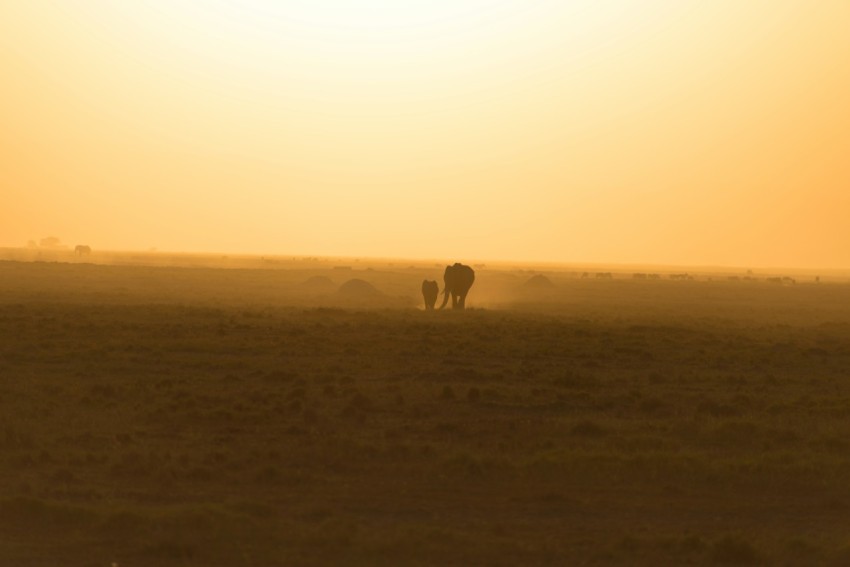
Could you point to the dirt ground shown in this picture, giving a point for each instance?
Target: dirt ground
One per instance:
(225, 412)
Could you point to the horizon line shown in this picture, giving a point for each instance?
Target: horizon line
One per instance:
(472, 261)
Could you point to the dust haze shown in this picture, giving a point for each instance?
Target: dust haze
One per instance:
(177, 409)
(453, 282)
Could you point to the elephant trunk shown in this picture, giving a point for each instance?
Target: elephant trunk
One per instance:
(445, 297)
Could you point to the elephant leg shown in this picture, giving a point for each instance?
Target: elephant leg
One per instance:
(461, 303)
(454, 300)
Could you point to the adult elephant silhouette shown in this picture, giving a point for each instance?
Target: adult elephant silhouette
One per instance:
(430, 291)
(458, 279)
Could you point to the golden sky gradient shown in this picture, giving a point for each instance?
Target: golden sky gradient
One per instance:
(631, 131)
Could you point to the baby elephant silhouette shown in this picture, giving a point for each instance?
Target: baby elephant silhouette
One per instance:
(430, 291)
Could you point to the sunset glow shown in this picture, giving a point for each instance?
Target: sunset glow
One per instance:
(661, 131)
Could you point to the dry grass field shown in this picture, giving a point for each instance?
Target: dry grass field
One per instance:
(249, 414)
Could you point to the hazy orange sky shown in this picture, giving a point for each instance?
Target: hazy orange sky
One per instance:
(638, 131)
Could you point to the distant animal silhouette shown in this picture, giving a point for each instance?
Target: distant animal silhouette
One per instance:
(430, 291)
(457, 280)
(82, 250)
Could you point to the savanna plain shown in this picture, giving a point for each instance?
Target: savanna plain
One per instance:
(163, 410)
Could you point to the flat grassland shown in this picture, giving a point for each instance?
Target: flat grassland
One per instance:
(256, 416)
